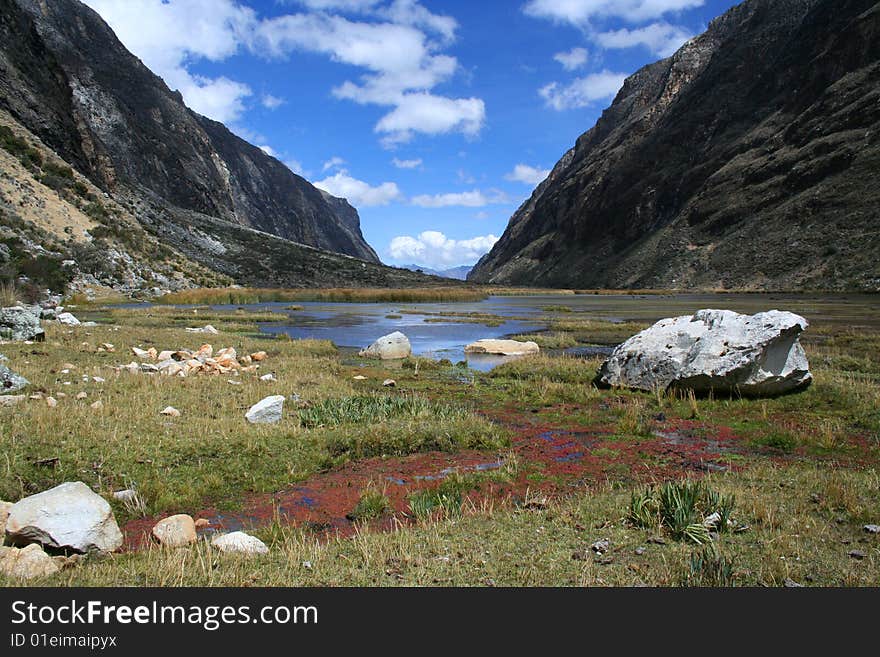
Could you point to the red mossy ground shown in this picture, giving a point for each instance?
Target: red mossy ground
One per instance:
(551, 460)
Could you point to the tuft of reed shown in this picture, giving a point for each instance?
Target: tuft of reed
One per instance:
(232, 296)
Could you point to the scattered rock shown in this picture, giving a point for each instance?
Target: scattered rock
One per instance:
(657, 540)
(97, 406)
(69, 516)
(711, 521)
(4, 513)
(857, 554)
(359, 377)
(205, 329)
(98, 379)
(67, 319)
(166, 355)
(872, 529)
(713, 350)
(641, 550)
(126, 495)
(791, 584)
(143, 354)
(51, 402)
(11, 400)
(233, 382)
(268, 377)
(26, 563)
(389, 383)
(266, 411)
(82, 395)
(259, 356)
(10, 381)
(170, 411)
(239, 542)
(106, 346)
(201, 523)
(502, 347)
(21, 324)
(175, 531)
(601, 546)
(393, 346)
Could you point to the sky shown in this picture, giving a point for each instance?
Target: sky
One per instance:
(436, 119)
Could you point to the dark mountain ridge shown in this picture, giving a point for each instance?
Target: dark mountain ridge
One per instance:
(748, 159)
(189, 181)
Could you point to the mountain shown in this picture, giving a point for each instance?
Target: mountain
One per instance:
(748, 159)
(458, 273)
(173, 195)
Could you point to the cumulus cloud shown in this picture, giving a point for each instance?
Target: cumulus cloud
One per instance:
(572, 59)
(396, 43)
(272, 102)
(433, 249)
(660, 38)
(472, 199)
(582, 92)
(407, 164)
(268, 150)
(529, 175)
(358, 192)
(333, 162)
(580, 12)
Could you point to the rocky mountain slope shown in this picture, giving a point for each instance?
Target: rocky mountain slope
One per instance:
(749, 159)
(97, 136)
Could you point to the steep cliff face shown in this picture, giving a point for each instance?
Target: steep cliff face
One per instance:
(746, 160)
(67, 78)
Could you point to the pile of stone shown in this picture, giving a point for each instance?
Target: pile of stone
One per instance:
(181, 531)
(203, 360)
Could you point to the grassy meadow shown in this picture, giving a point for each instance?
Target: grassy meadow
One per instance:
(798, 475)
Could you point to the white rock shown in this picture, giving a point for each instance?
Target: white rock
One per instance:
(143, 354)
(716, 350)
(27, 563)
(359, 377)
(11, 400)
(266, 411)
(170, 411)
(502, 347)
(268, 377)
(389, 383)
(389, 347)
(205, 329)
(97, 406)
(67, 319)
(126, 495)
(239, 542)
(68, 516)
(175, 531)
(98, 379)
(4, 513)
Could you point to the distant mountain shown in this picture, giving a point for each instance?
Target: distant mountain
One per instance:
(458, 273)
(748, 159)
(122, 154)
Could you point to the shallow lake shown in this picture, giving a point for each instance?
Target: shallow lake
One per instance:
(435, 335)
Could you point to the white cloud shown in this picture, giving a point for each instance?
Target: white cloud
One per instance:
(333, 162)
(482, 214)
(358, 192)
(397, 46)
(580, 12)
(433, 249)
(582, 92)
(407, 164)
(572, 59)
(471, 199)
(272, 102)
(660, 38)
(529, 175)
(268, 150)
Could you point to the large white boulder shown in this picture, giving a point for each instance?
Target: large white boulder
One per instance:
(266, 411)
(18, 323)
(502, 347)
(68, 319)
(389, 347)
(10, 381)
(714, 350)
(69, 516)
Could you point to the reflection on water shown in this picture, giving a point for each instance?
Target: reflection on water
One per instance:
(356, 325)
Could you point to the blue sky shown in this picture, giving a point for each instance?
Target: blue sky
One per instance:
(435, 118)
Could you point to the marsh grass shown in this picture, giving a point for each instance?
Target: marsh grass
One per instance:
(9, 294)
(478, 546)
(372, 504)
(221, 296)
